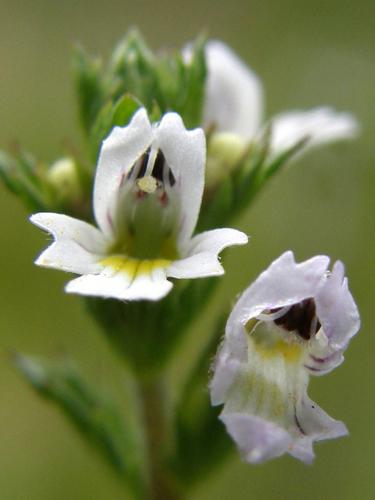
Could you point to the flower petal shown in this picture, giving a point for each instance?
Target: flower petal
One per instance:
(202, 265)
(317, 425)
(322, 357)
(336, 308)
(122, 285)
(224, 371)
(185, 153)
(202, 253)
(319, 126)
(77, 248)
(119, 152)
(257, 439)
(234, 96)
(285, 282)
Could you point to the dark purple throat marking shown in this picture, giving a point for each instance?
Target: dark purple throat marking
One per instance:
(299, 318)
(159, 166)
(143, 165)
(157, 169)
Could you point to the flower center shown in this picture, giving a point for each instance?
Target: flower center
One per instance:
(282, 331)
(148, 210)
(300, 318)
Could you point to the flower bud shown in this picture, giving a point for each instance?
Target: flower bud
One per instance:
(224, 152)
(64, 179)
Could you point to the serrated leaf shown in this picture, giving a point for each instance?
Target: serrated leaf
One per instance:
(95, 416)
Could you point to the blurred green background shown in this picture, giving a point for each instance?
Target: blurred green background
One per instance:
(307, 53)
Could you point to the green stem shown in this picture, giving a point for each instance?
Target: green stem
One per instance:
(153, 399)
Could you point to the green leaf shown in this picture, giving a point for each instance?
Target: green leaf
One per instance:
(235, 192)
(95, 416)
(7, 168)
(278, 162)
(242, 184)
(24, 178)
(192, 88)
(89, 86)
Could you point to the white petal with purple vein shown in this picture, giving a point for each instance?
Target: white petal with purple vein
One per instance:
(119, 152)
(185, 154)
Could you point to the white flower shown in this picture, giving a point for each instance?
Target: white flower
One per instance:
(147, 195)
(234, 104)
(295, 320)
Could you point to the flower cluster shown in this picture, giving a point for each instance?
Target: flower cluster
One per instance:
(294, 321)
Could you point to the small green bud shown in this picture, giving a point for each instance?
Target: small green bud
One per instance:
(63, 177)
(224, 152)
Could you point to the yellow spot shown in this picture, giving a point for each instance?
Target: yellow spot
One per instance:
(147, 184)
(290, 351)
(134, 267)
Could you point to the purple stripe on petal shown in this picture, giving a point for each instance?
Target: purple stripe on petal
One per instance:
(110, 220)
(312, 368)
(322, 360)
(298, 423)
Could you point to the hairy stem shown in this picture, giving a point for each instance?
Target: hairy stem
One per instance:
(153, 398)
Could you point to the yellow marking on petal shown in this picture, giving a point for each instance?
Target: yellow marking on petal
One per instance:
(270, 342)
(134, 267)
(290, 351)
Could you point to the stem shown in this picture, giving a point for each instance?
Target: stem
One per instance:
(161, 485)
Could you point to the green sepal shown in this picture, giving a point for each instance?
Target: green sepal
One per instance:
(146, 333)
(94, 415)
(132, 70)
(182, 83)
(167, 82)
(111, 115)
(192, 89)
